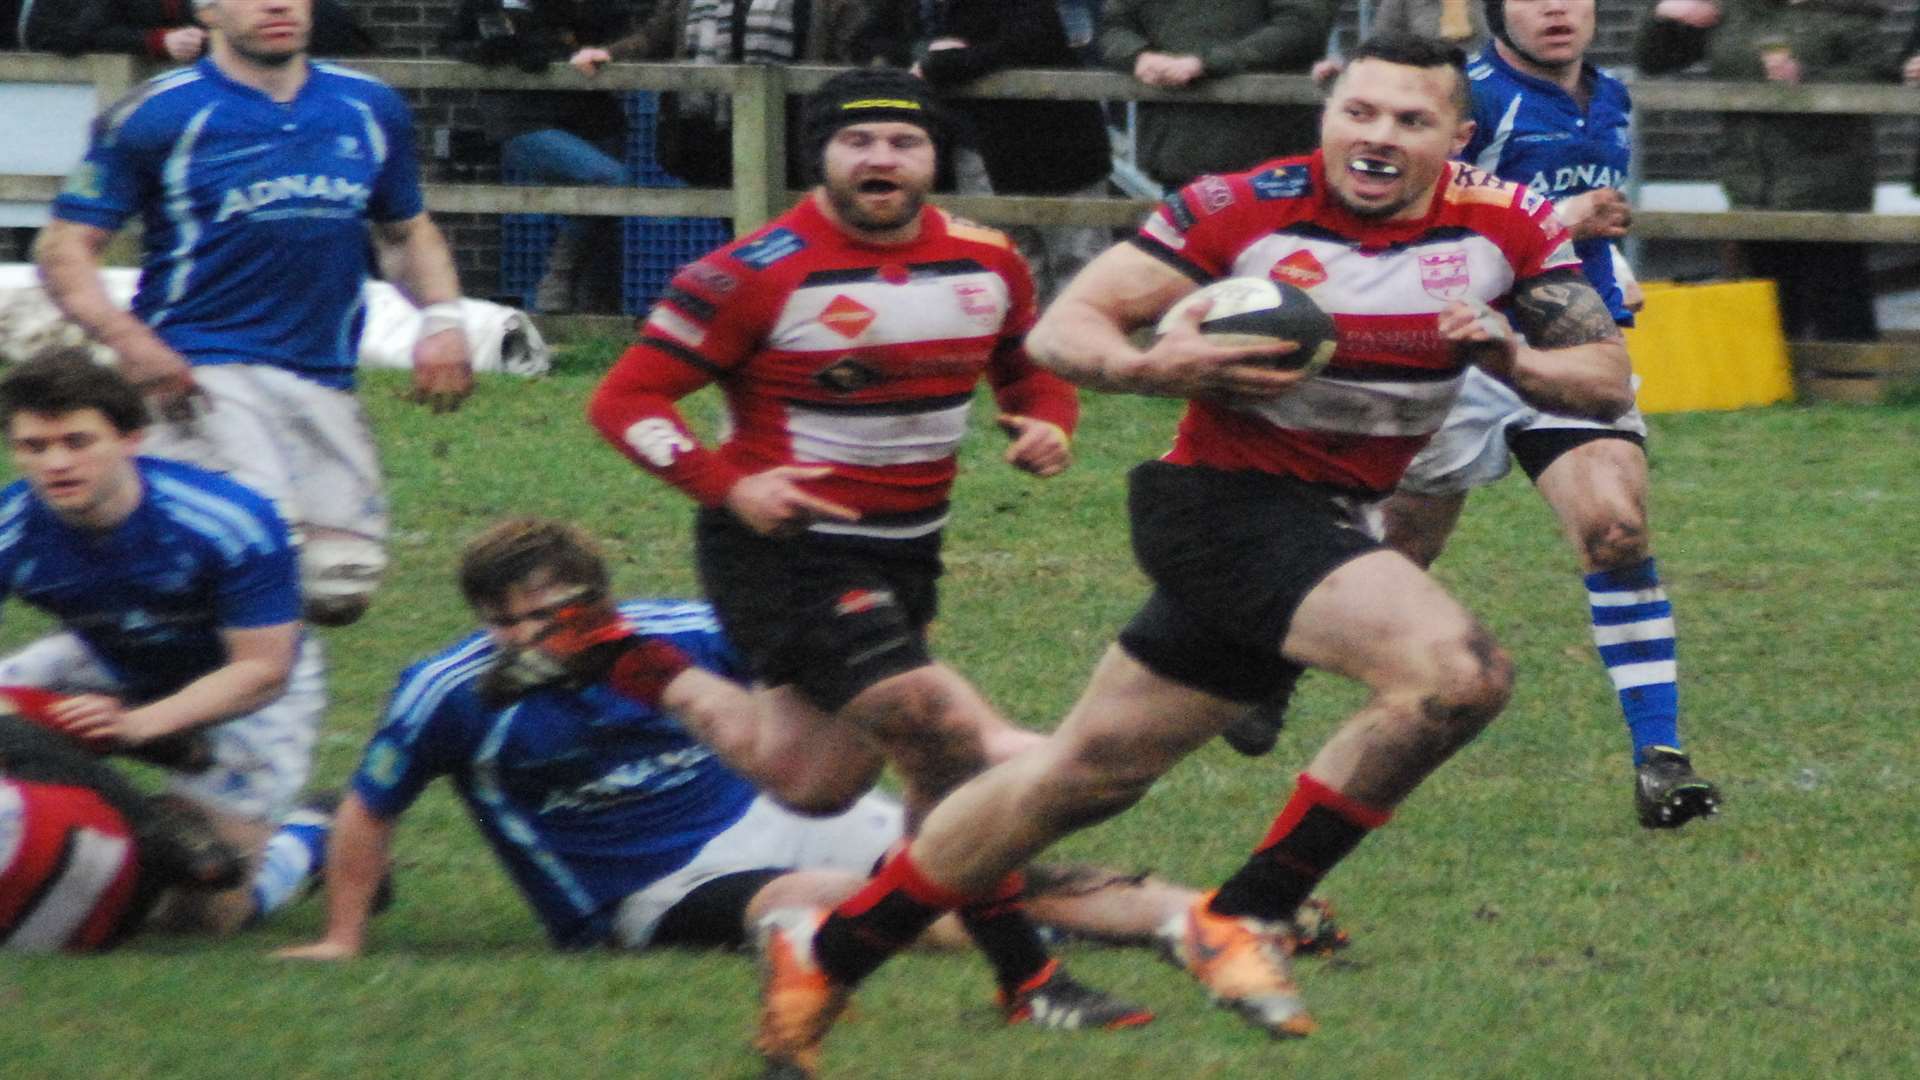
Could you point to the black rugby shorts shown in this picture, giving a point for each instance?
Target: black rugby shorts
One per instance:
(1230, 555)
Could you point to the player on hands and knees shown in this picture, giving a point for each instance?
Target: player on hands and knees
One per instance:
(1552, 121)
(1249, 528)
(178, 596)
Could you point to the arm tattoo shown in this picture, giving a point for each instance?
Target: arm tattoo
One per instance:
(1559, 309)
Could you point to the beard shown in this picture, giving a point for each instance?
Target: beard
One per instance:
(845, 201)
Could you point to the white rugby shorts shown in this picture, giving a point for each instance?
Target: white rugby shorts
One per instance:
(261, 759)
(1470, 450)
(768, 837)
(306, 446)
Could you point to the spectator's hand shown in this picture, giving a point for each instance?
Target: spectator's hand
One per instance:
(1038, 447)
(442, 370)
(1602, 212)
(946, 43)
(1700, 14)
(772, 503)
(1181, 70)
(1910, 73)
(1779, 65)
(589, 61)
(1149, 67)
(185, 43)
(1327, 70)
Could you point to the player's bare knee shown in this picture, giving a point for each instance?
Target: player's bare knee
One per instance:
(1473, 682)
(1617, 542)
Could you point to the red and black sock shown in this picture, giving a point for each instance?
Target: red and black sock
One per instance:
(1317, 828)
(999, 925)
(888, 914)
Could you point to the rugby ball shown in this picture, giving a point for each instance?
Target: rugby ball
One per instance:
(1255, 311)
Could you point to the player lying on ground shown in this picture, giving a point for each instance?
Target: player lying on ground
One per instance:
(84, 855)
(565, 725)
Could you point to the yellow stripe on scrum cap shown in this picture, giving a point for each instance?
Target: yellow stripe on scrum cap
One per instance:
(880, 103)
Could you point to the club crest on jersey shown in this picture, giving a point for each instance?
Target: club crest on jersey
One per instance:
(847, 317)
(1300, 269)
(1213, 194)
(846, 376)
(1283, 182)
(769, 249)
(1444, 274)
(977, 301)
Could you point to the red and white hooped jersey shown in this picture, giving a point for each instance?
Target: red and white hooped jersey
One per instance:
(835, 352)
(68, 867)
(1358, 423)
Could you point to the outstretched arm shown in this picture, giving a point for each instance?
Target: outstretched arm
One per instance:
(357, 858)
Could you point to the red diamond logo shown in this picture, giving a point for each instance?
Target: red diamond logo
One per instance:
(847, 317)
(1300, 269)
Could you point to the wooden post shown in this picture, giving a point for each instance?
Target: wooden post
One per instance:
(759, 146)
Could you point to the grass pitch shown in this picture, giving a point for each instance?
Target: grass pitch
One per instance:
(1513, 921)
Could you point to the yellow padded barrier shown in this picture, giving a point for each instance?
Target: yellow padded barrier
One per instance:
(1714, 346)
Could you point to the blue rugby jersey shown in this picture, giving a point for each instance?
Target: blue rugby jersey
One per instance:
(587, 797)
(198, 555)
(256, 212)
(1532, 132)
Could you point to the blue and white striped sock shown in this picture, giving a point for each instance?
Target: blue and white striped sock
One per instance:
(1633, 629)
(295, 852)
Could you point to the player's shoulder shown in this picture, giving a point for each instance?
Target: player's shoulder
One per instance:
(347, 82)
(1465, 187)
(1270, 185)
(665, 616)
(16, 511)
(214, 507)
(158, 107)
(965, 231)
(427, 687)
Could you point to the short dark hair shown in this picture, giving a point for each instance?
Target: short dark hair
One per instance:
(65, 378)
(1412, 50)
(509, 552)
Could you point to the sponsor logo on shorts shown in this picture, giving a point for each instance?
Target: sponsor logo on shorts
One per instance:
(1444, 274)
(384, 763)
(769, 249)
(1213, 193)
(860, 601)
(1300, 269)
(846, 375)
(83, 182)
(847, 317)
(1283, 182)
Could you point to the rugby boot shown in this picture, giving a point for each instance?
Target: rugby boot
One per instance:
(1243, 963)
(1056, 1000)
(1315, 932)
(798, 1001)
(1667, 793)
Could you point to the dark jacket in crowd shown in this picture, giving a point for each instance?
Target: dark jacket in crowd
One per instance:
(1784, 161)
(137, 27)
(534, 35)
(1232, 37)
(1030, 147)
